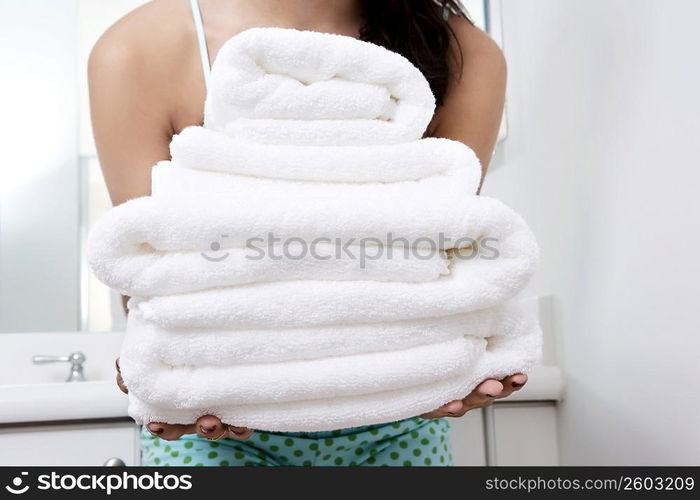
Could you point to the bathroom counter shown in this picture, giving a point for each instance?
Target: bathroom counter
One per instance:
(102, 399)
(39, 393)
(61, 401)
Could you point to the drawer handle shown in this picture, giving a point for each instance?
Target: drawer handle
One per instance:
(114, 462)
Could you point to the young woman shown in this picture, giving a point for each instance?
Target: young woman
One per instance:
(146, 84)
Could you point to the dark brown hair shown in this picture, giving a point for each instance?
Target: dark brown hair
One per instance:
(418, 30)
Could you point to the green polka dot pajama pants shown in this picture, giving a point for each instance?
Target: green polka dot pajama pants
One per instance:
(411, 442)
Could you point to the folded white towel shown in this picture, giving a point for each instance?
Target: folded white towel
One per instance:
(209, 150)
(503, 356)
(170, 179)
(472, 285)
(276, 86)
(208, 347)
(152, 246)
(152, 273)
(203, 386)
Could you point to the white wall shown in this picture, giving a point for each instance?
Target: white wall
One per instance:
(602, 159)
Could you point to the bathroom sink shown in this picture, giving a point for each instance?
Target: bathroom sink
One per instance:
(34, 393)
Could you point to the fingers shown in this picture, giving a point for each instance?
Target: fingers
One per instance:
(169, 432)
(204, 427)
(432, 414)
(212, 428)
(121, 384)
(239, 433)
(482, 396)
(447, 410)
(511, 384)
(120, 380)
(208, 427)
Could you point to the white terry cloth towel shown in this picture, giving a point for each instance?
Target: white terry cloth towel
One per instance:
(150, 345)
(148, 246)
(170, 179)
(300, 379)
(275, 85)
(502, 356)
(472, 285)
(204, 149)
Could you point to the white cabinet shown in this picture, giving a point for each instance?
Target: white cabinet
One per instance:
(69, 444)
(525, 434)
(468, 439)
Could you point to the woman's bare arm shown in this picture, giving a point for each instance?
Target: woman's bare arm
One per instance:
(474, 102)
(140, 74)
(129, 119)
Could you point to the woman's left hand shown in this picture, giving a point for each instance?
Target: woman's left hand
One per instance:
(484, 394)
(207, 426)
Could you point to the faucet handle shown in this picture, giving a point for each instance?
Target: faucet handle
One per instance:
(76, 359)
(40, 359)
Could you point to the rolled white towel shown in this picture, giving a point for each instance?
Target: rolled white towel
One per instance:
(196, 386)
(156, 346)
(473, 283)
(153, 273)
(278, 85)
(204, 149)
(503, 356)
(144, 244)
(171, 179)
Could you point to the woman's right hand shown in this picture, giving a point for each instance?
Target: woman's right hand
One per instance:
(208, 426)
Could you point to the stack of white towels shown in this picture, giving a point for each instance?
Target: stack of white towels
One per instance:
(314, 142)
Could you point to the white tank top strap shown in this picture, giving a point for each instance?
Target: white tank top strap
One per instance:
(201, 40)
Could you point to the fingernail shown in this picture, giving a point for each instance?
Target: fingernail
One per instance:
(116, 363)
(156, 430)
(208, 429)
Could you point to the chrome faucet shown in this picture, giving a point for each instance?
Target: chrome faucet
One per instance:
(76, 360)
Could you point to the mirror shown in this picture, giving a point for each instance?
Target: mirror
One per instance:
(51, 187)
